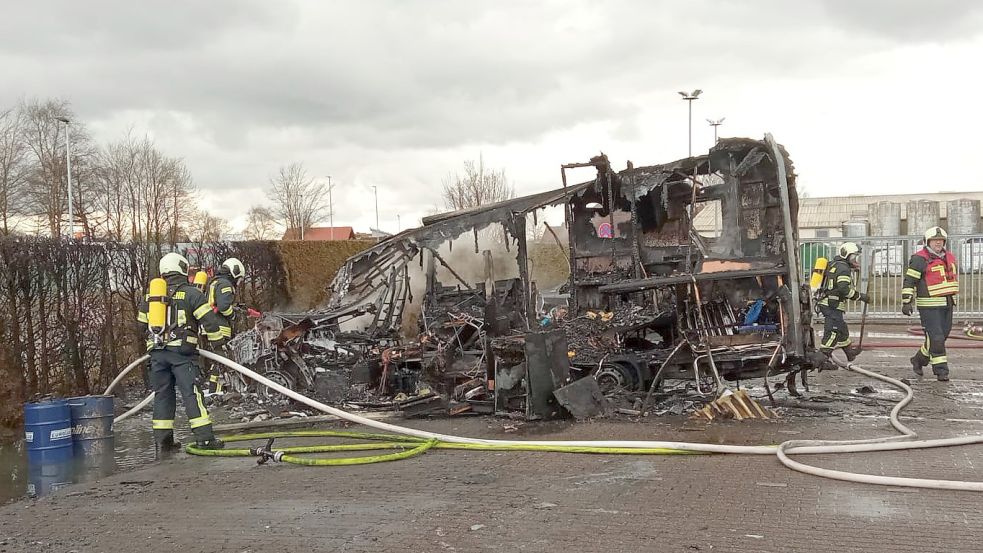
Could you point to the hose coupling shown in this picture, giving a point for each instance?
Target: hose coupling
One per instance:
(266, 453)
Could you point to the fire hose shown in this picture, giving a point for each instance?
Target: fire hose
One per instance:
(424, 440)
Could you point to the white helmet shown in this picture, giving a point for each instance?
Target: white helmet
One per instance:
(936, 233)
(173, 263)
(848, 248)
(235, 267)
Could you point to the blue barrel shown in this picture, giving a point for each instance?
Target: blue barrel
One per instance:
(48, 432)
(92, 426)
(42, 479)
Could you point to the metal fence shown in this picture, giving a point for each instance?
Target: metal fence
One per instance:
(886, 259)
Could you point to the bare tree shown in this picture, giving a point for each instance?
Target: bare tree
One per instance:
(116, 176)
(14, 169)
(41, 134)
(203, 227)
(477, 186)
(298, 201)
(260, 224)
(44, 137)
(140, 193)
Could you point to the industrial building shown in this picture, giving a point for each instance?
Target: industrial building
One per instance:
(888, 215)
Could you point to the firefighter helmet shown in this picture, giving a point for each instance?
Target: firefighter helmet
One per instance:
(173, 263)
(936, 233)
(235, 267)
(848, 248)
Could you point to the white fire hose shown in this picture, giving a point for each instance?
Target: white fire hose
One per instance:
(905, 441)
(109, 390)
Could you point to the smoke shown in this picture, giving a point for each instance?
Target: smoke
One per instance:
(548, 266)
(469, 264)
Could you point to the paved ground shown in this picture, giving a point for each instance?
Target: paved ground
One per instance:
(480, 501)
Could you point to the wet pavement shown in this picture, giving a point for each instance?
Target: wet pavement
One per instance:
(530, 501)
(133, 445)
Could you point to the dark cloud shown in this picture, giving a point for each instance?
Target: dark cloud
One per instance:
(909, 20)
(398, 74)
(69, 29)
(240, 86)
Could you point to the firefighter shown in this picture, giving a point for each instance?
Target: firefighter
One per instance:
(838, 287)
(931, 285)
(173, 354)
(221, 297)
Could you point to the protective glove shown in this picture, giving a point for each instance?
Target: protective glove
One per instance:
(906, 309)
(253, 314)
(863, 297)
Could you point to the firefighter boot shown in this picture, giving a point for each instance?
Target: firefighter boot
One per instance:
(166, 446)
(916, 366)
(851, 352)
(211, 443)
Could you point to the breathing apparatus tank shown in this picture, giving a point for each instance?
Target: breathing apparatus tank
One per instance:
(158, 304)
(201, 279)
(818, 273)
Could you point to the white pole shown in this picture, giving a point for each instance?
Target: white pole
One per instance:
(690, 127)
(376, 190)
(331, 207)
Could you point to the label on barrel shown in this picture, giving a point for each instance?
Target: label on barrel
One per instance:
(29, 437)
(61, 434)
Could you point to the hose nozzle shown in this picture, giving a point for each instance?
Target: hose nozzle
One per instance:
(266, 453)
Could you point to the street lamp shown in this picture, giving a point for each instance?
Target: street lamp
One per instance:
(689, 97)
(300, 213)
(330, 206)
(68, 163)
(376, 190)
(715, 124)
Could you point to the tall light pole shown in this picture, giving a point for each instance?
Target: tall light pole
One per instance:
(330, 207)
(689, 97)
(376, 190)
(716, 124)
(68, 163)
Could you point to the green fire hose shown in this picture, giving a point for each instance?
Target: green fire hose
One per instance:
(409, 447)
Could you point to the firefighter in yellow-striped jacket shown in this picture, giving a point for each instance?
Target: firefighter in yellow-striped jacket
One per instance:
(173, 355)
(221, 296)
(838, 288)
(931, 284)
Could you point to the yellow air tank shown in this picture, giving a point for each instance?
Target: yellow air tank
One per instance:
(818, 270)
(201, 278)
(157, 312)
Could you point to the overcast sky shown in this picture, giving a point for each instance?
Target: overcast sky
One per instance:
(869, 96)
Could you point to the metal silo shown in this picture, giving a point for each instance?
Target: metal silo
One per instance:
(885, 218)
(922, 214)
(962, 216)
(855, 228)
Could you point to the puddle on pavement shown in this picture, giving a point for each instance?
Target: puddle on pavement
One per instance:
(133, 448)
